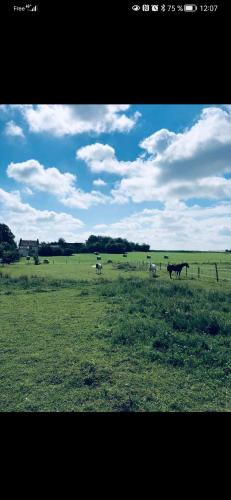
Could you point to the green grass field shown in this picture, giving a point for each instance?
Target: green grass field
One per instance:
(71, 340)
(78, 267)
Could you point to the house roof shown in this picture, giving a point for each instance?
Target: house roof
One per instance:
(27, 243)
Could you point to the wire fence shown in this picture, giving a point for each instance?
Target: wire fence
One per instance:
(197, 271)
(209, 271)
(201, 271)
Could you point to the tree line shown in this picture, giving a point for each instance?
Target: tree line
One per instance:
(106, 244)
(99, 244)
(56, 248)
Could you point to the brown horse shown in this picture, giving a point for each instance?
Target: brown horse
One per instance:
(177, 268)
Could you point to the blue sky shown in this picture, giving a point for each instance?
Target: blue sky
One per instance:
(159, 174)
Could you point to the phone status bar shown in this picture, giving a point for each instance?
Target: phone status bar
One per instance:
(175, 8)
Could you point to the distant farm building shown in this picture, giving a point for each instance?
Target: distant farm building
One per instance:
(28, 247)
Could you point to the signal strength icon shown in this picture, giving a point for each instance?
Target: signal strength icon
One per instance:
(33, 9)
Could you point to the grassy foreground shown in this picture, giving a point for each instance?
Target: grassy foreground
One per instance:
(116, 342)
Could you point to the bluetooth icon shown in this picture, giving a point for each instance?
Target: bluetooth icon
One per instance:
(163, 8)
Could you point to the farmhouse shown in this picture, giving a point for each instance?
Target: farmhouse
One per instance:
(28, 247)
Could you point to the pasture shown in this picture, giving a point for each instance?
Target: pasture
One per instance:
(74, 340)
(78, 267)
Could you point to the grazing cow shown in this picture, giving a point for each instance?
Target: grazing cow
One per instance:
(98, 258)
(152, 269)
(149, 257)
(165, 257)
(99, 268)
(176, 268)
(46, 261)
(125, 255)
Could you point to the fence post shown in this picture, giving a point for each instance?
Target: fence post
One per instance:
(198, 272)
(216, 272)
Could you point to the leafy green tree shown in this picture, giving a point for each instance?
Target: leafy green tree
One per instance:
(8, 247)
(9, 256)
(144, 248)
(45, 250)
(113, 245)
(6, 236)
(61, 242)
(92, 239)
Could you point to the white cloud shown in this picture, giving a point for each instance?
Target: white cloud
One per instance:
(201, 151)
(176, 226)
(101, 158)
(53, 181)
(140, 189)
(96, 152)
(99, 182)
(159, 141)
(80, 199)
(114, 108)
(136, 188)
(191, 164)
(34, 174)
(60, 120)
(30, 223)
(184, 165)
(13, 130)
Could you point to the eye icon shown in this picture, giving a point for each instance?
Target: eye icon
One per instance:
(135, 7)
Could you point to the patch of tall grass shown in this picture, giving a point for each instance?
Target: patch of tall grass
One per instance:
(35, 283)
(171, 323)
